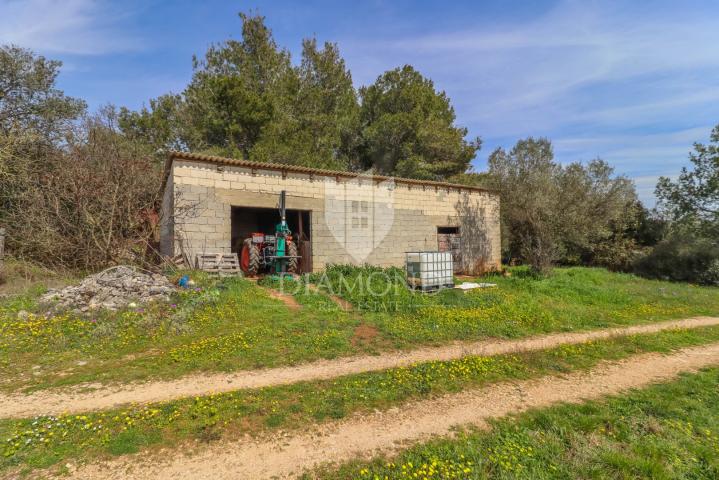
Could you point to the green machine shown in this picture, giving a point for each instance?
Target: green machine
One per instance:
(275, 254)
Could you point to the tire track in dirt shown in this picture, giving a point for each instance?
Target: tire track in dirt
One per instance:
(83, 398)
(364, 436)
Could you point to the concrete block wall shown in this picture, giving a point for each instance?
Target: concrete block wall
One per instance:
(352, 221)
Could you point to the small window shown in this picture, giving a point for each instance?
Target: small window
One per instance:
(448, 230)
(355, 206)
(364, 222)
(364, 206)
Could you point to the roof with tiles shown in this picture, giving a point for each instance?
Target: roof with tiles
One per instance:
(197, 157)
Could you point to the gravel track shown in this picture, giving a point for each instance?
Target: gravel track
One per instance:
(287, 456)
(84, 398)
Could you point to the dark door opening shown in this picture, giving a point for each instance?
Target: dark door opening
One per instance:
(249, 220)
(449, 240)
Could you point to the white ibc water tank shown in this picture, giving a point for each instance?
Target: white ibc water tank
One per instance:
(429, 270)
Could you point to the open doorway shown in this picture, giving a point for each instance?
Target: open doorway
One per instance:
(450, 240)
(249, 220)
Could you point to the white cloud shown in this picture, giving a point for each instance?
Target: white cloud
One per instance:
(643, 157)
(518, 76)
(680, 138)
(83, 27)
(633, 85)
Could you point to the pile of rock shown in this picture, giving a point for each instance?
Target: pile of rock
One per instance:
(112, 289)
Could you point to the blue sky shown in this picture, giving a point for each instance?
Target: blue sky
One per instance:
(634, 83)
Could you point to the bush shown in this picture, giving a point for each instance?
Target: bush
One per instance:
(615, 254)
(93, 203)
(682, 257)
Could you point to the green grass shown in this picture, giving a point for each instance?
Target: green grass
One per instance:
(667, 431)
(570, 299)
(236, 324)
(233, 324)
(45, 441)
(20, 277)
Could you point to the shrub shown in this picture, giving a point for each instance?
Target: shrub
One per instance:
(682, 257)
(567, 214)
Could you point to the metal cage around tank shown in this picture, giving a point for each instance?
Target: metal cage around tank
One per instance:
(429, 270)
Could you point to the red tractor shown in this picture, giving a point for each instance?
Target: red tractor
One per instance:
(260, 253)
(275, 253)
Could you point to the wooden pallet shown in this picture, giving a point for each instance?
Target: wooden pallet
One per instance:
(222, 264)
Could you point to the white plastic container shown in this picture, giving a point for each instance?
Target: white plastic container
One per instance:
(429, 270)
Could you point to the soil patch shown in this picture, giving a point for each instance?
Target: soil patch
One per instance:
(288, 300)
(339, 301)
(364, 334)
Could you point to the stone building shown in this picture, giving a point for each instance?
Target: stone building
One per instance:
(211, 204)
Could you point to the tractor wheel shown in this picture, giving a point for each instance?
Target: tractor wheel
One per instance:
(293, 263)
(250, 258)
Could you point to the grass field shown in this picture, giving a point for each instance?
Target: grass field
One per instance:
(21, 277)
(233, 324)
(668, 431)
(44, 441)
(571, 298)
(236, 324)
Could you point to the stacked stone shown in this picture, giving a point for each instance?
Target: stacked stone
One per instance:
(111, 289)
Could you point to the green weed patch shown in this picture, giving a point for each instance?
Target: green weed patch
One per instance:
(233, 324)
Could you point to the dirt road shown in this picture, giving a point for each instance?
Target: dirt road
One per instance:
(84, 398)
(289, 456)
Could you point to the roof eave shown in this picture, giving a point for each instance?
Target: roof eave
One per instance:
(197, 157)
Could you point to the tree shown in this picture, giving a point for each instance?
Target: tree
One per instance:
(599, 214)
(525, 177)
(694, 197)
(690, 249)
(321, 127)
(471, 178)
(92, 205)
(238, 89)
(75, 191)
(575, 214)
(247, 100)
(29, 101)
(328, 101)
(36, 118)
(163, 126)
(651, 226)
(408, 128)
